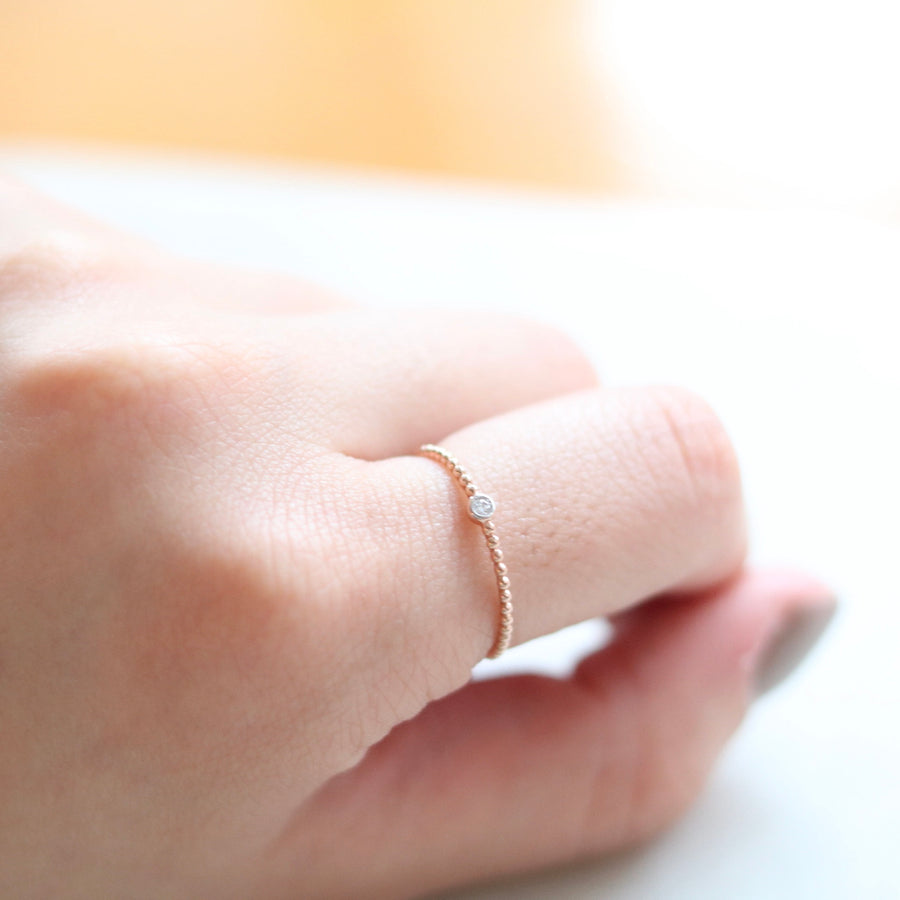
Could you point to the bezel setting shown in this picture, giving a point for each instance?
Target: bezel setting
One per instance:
(481, 507)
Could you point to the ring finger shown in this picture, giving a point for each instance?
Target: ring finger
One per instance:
(605, 498)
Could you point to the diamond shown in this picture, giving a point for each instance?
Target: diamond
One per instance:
(481, 507)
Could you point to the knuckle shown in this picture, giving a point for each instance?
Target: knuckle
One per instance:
(99, 383)
(132, 402)
(27, 271)
(561, 352)
(58, 263)
(49, 253)
(692, 443)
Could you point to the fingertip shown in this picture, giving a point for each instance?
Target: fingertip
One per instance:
(785, 585)
(741, 638)
(791, 643)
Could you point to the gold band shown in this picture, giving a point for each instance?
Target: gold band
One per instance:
(481, 508)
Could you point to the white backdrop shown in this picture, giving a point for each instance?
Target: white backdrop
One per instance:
(785, 319)
(789, 98)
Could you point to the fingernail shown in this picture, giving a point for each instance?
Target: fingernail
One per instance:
(791, 644)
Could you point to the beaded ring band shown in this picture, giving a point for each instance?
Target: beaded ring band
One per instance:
(481, 508)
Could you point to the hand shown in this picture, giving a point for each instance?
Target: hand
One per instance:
(238, 616)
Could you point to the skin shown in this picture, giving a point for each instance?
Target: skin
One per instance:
(238, 616)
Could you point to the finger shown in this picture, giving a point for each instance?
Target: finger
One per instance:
(49, 251)
(604, 498)
(33, 222)
(438, 372)
(251, 291)
(525, 772)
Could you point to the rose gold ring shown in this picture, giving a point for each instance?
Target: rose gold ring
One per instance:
(481, 508)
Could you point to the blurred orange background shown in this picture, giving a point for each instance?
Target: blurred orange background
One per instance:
(496, 89)
(786, 100)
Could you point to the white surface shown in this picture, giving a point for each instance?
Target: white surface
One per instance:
(753, 100)
(783, 318)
